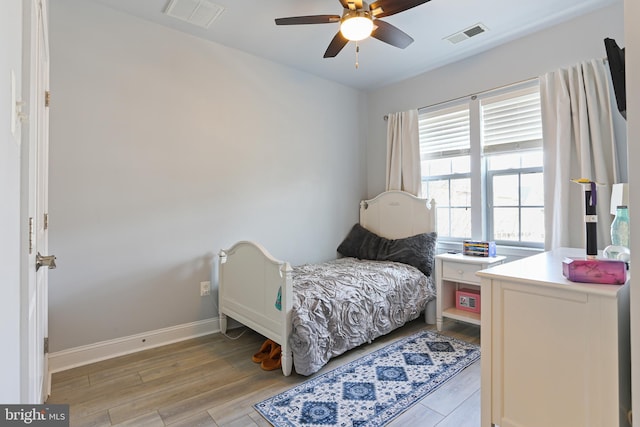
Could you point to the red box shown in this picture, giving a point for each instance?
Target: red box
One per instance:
(468, 300)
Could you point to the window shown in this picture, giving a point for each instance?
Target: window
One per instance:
(482, 162)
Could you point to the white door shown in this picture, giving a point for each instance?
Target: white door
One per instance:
(35, 373)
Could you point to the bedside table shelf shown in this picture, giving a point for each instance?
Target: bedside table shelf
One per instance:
(462, 315)
(455, 272)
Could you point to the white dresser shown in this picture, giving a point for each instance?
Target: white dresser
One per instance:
(554, 352)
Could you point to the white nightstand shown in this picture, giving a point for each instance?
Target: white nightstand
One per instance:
(454, 272)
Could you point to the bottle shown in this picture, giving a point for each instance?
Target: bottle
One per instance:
(620, 227)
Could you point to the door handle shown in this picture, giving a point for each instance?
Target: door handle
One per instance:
(48, 261)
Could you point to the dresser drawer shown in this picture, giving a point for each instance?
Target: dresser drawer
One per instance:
(461, 272)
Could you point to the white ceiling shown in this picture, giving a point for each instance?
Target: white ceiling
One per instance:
(248, 25)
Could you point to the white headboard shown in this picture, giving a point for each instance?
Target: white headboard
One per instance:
(398, 214)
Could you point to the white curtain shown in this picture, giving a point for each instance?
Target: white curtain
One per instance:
(578, 143)
(403, 152)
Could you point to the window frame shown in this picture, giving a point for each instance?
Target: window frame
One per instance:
(449, 178)
(490, 208)
(481, 195)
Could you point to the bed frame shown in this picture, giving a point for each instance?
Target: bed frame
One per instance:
(250, 278)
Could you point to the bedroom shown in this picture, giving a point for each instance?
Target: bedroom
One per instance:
(119, 176)
(151, 160)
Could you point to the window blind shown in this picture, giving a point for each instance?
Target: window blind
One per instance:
(512, 121)
(444, 133)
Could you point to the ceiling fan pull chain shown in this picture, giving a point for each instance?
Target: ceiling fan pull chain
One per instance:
(357, 54)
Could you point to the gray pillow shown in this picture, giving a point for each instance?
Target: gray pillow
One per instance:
(418, 250)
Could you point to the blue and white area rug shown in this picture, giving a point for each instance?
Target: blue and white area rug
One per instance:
(375, 388)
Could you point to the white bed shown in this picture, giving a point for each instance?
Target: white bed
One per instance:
(250, 279)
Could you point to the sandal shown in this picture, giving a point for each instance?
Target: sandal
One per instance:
(265, 350)
(273, 361)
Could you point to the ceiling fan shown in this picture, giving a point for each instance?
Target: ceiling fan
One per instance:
(359, 21)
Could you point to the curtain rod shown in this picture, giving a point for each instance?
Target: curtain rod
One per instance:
(473, 95)
(386, 116)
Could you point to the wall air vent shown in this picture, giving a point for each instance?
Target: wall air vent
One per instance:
(197, 12)
(467, 33)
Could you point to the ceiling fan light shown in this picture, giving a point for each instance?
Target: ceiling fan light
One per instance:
(356, 28)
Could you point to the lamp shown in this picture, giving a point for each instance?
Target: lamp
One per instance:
(356, 25)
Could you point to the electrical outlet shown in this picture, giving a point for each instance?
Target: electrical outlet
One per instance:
(205, 289)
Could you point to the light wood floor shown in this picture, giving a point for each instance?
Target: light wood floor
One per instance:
(211, 381)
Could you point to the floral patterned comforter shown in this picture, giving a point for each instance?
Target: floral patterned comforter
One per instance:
(341, 304)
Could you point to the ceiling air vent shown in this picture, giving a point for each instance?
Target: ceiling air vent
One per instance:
(467, 34)
(197, 12)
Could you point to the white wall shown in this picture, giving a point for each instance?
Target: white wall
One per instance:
(632, 58)
(559, 46)
(166, 148)
(11, 54)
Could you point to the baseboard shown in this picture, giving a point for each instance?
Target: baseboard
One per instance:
(83, 355)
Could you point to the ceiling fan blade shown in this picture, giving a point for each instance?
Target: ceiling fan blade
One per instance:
(313, 19)
(394, 36)
(382, 8)
(336, 45)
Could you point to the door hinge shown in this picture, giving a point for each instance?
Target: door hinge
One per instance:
(46, 345)
(30, 235)
(47, 98)
(46, 221)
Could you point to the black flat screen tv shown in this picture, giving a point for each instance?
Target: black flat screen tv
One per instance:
(615, 56)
